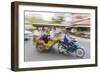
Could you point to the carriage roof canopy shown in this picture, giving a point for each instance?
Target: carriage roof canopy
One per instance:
(45, 25)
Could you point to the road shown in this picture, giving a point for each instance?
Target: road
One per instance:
(31, 53)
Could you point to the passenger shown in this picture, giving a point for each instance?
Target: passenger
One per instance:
(45, 35)
(43, 32)
(52, 32)
(36, 34)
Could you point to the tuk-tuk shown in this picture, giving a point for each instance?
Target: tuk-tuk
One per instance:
(46, 41)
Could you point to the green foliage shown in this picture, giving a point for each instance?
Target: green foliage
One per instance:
(37, 20)
(34, 19)
(57, 19)
(77, 33)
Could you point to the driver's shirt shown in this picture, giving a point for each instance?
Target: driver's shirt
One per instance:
(68, 37)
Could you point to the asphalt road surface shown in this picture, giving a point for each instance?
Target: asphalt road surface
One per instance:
(31, 53)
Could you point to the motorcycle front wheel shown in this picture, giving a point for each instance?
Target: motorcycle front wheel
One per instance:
(80, 52)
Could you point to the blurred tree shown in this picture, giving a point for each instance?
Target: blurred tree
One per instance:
(37, 19)
(58, 19)
(33, 19)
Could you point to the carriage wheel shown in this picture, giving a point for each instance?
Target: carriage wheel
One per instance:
(40, 48)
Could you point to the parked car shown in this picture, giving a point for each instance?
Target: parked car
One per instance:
(27, 35)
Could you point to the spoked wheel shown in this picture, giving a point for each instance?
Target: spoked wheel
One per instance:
(80, 52)
(40, 48)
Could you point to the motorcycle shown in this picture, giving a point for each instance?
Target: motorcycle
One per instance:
(74, 47)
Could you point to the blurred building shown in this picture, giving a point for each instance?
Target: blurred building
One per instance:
(81, 24)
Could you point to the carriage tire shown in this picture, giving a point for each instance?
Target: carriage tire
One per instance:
(40, 48)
